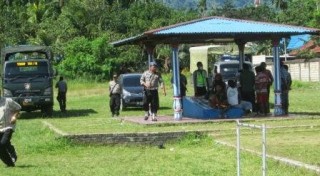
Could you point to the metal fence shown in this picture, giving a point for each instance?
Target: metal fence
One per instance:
(264, 145)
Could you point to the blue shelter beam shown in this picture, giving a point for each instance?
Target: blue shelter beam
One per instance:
(277, 78)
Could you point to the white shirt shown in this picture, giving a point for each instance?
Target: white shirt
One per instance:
(232, 94)
(7, 108)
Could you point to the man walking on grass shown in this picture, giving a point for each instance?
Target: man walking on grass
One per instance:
(9, 111)
(150, 80)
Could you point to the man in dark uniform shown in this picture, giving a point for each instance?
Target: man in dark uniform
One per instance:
(114, 92)
(150, 80)
(62, 93)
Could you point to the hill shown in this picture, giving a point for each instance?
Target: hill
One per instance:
(192, 4)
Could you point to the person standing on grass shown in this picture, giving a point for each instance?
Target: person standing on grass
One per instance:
(286, 82)
(114, 93)
(261, 84)
(62, 93)
(247, 82)
(200, 81)
(9, 111)
(183, 83)
(150, 80)
(268, 72)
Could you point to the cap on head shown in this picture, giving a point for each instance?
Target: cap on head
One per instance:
(153, 64)
(114, 76)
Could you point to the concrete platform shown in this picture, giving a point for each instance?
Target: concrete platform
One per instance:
(161, 119)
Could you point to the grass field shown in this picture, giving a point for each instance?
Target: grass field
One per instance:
(41, 152)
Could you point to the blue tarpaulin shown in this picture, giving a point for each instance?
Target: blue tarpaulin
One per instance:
(298, 41)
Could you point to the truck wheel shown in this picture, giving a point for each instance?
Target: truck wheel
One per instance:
(47, 111)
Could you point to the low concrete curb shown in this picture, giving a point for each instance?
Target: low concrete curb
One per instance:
(141, 138)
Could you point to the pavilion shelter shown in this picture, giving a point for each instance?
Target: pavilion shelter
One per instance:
(215, 29)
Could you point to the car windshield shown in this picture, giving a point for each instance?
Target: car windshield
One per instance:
(229, 69)
(132, 81)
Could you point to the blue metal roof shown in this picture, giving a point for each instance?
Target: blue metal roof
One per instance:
(217, 29)
(298, 41)
(224, 25)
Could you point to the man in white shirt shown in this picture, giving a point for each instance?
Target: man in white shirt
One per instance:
(9, 110)
(233, 97)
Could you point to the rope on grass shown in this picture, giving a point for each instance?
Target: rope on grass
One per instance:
(277, 158)
(56, 130)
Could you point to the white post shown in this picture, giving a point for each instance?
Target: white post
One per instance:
(238, 148)
(264, 150)
(264, 145)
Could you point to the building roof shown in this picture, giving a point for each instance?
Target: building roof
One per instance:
(298, 41)
(216, 29)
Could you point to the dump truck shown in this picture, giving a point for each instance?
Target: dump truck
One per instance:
(27, 77)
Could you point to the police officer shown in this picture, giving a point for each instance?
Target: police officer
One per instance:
(114, 93)
(150, 80)
(62, 93)
(200, 80)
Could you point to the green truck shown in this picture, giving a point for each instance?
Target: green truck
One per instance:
(27, 77)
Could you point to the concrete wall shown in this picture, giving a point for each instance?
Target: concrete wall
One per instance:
(303, 71)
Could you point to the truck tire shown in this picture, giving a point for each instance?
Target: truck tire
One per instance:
(47, 111)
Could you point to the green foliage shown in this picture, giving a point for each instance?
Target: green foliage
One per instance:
(306, 54)
(81, 30)
(84, 58)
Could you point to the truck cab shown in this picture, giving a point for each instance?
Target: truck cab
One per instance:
(27, 77)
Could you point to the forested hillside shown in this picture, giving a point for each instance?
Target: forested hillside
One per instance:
(193, 4)
(80, 31)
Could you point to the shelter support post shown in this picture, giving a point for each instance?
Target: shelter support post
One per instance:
(241, 44)
(277, 79)
(150, 49)
(177, 104)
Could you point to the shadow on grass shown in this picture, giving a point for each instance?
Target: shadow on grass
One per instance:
(58, 114)
(141, 108)
(25, 166)
(306, 113)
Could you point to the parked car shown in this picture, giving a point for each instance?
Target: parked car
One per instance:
(228, 69)
(131, 90)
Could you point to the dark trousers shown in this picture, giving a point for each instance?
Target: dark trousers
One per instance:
(115, 104)
(285, 101)
(7, 150)
(200, 91)
(151, 97)
(268, 103)
(251, 97)
(62, 98)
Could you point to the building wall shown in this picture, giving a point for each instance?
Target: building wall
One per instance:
(303, 71)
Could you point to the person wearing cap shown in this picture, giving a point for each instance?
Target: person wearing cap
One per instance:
(9, 111)
(62, 93)
(200, 80)
(114, 93)
(150, 80)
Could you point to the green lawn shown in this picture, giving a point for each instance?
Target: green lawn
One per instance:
(41, 152)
